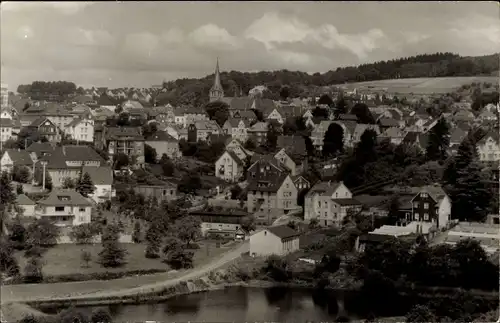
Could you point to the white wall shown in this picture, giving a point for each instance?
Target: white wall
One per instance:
(264, 243)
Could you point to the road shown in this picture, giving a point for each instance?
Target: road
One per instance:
(113, 288)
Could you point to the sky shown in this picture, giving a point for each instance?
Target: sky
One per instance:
(139, 44)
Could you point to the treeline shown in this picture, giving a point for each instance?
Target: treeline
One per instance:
(41, 90)
(195, 91)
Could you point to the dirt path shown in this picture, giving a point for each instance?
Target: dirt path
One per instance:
(113, 288)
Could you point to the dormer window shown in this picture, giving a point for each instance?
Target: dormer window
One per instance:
(63, 198)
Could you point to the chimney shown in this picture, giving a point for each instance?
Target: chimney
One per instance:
(64, 150)
(329, 183)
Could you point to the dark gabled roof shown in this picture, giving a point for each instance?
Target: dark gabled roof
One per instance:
(296, 144)
(244, 114)
(348, 201)
(114, 133)
(75, 198)
(235, 157)
(104, 99)
(22, 199)
(386, 122)
(41, 147)
(373, 237)
(283, 232)
(6, 123)
(101, 175)
(161, 136)
(20, 157)
(39, 121)
(411, 137)
(61, 155)
(271, 184)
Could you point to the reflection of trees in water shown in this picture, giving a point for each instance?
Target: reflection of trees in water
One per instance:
(115, 309)
(283, 298)
(274, 295)
(184, 304)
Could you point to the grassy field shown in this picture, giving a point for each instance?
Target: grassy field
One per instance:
(65, 259)
(423, 85)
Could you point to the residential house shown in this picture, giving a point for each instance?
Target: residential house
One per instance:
(318, 134)
(41, 149)
(31, 113)
(274, 240)
(66, 207)
(237, 128)
(489, 147)
(26, 205)
(486, 234)
(464, 116)
(165, 114)
(58, 114)
(229, 167)
(265, 166)
(67, 162)
(108, 103)
(221, 223)
(132, 104)
(301, 182)
(201, 130)
(193, 115)
(416, 139)
(163, 191)
(386, 123)
(271, 195)
(394, 135)
(247, 115)
(81, 130)
(292, 161)
(6, 113)
(329, 203)
(102, 178)
(6, 129)
(487, 115)
(17, 158)
(457, 136)
(258, 133)
(47, 129)
(173, 130)
(236, 147)
(164, 143)
(126, 140)
(432, 205)
(274, 113)
(180, 117)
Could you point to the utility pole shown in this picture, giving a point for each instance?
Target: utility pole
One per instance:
(44, 164)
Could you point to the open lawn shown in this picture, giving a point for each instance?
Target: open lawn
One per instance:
(65, 259)
(424, 85)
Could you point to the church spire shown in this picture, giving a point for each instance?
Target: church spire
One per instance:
(216, 92)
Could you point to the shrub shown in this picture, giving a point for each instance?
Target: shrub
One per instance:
(101, 315)
(33, 271)
(278, 269)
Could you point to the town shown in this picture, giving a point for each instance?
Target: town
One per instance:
(337, 187)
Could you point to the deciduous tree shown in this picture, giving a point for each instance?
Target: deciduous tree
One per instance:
(333, 141)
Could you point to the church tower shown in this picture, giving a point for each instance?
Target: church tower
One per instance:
(216, 92)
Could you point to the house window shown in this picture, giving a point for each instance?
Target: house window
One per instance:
(336, 194)
(426, 206)
(82, 219)
(423, 195)
(82, 209)
(426, 216)
(415, 204)
(416, 216)
(59, 208)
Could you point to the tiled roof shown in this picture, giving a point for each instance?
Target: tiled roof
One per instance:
(324, 188)
(386, 122)
(392, 132)
(102, 175)
(271, 184)
(244, 114)
(114, 133)
(6, 123)
(39, 121)
(41, 147)
(161, 136)
(82, 99)
(348, 201)
(57, 196)
(283, 232)
(61, 155)
(234, 122)
(22, 199)
(259, 127)
(435, 191)
(20, 157)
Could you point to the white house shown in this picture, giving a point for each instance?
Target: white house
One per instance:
(66, 207)
(277, 240)
(489, 148)
(102, 178)
(229, 167)
(329, 203)
(81, 130)
(431, 205)
(26, 205)
(275, 115)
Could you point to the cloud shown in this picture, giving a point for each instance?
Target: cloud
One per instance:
(173, 36)
(213, 36)
(85, 37)
(273, 28)
(62, 6)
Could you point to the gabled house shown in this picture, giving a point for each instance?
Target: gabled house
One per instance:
(463, 115)
(229, 167)
(301, 182)
(47, 129)
(457, 136)
(431, 205)
(201, 130)
(489, 147)
(65, 207)
(329, 203)
(416, 139)
(386, 123)
(359, 130)
(247, 115)
(318, 134)
(67, 162)
(264, 167)
(126, 140)
(394, 135)
(6, 129)
(17, 158)
(41, 149)
(237, 128)
(193, 115)
(102, 178)
(274, 240)
(26, 205)
(164, 143)
(487, 115)
(81, 130)
(290, 160)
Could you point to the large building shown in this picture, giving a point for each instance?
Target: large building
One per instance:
(4, 94)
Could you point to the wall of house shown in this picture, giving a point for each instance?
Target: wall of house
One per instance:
(287, 195)
(160, 192)
(232, 170)
(5, 133)
(264, 243)
(76, 214)
(58, 175)
(207, 226)
(287, 161)
(269, 201)
(444, 212)
(6, 164)
(290, 245)
(102, 193)
(28, 210)
(239, 133)
(170, 148)
(489, 151)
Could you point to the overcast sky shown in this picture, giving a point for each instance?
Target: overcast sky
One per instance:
(141, 43)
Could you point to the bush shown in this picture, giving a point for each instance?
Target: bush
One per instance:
(72, 315)
(33, 271)
(84, 233)
(101, 315)
(278, 269)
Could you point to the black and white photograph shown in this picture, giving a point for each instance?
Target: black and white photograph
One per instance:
(249, 161)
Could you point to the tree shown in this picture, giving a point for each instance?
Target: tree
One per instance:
(7, 196)
(249, 144)
(33, 271)
(68, 183)
(30, 318)
(363, 113)
(19, 189)
(86, 257)
(137, 235)
(420, 313)
(320, 113)
(153, 241)
(272, 137)
(42, 233)
(248, 223)
(8, 263)
(438, 142)
(85, 186)
(187, 229)
(190, 183)
(18, 235)
(21, 174)
(333, 141)
(177, 256)
(278, 268)
(150, 155)
(111, 255)
(39, 177)
(121, 160)
(218, 111)
(167, 166)
(84, 233)
(236, 191)
(72, 315)
(284, 92)
(100, 315)
(393, 210)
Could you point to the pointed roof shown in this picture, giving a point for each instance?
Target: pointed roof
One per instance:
(217, 85)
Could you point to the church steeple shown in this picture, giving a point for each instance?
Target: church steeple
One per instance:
(216, 92)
